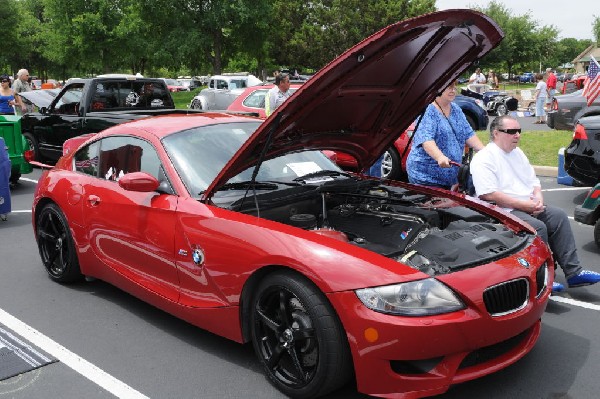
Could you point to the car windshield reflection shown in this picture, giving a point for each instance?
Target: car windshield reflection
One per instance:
(199, 155)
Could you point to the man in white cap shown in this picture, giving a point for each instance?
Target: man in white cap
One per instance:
(21, 84)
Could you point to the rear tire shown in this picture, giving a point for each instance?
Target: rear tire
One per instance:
(32, 145)
(196, 104)
(471, 122)
(14, 178)
(56, 245)
(391, 166)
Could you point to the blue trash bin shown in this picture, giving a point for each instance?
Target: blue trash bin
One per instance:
(563, 177)
(4, 180)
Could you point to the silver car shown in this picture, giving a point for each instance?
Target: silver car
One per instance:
(222, 90)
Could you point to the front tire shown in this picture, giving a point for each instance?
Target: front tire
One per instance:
(298, 337)
(56, 245)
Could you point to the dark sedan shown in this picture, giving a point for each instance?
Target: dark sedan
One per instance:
(582, 157)
(568, 108)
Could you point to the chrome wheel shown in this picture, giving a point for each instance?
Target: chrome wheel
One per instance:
(501, 110)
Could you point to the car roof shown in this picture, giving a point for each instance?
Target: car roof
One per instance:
(165, 125)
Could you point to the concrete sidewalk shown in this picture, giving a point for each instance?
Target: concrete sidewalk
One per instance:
(547, 171)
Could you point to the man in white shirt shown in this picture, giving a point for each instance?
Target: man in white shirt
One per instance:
(278, 94)
(477, 77)
(502, 174)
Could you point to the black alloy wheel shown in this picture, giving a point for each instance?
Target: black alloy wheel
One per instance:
(56, 245)
(298, 338)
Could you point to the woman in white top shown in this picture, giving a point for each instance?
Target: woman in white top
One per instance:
(540, 99)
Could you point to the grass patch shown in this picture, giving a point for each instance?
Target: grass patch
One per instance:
(183, 98)
(541, 147)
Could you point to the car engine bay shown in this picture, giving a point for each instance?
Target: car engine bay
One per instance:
(432, 234)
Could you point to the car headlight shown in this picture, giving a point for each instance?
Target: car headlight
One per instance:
(415, 298)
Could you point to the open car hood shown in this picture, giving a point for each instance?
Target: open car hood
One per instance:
(40, 98)
(362, 100)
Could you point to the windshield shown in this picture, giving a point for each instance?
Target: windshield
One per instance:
(199, 155)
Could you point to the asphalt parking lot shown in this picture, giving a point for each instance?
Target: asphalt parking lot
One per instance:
(110, 344)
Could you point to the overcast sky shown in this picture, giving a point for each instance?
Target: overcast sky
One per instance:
(571, 18)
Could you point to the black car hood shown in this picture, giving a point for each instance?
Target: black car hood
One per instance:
(365, 98)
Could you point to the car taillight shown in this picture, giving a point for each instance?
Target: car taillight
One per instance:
(595, 194)
(579, 133)
(29, 155)
(554, 105)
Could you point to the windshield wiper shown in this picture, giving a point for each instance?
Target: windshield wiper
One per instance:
(321, 173)
(244, 185)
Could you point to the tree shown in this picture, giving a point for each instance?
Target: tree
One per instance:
(313, 33)
(596, 29)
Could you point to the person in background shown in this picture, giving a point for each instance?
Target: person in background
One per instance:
(551, 86)
(477, 77)
(502, 174)
(440, 138)
(540, 99)
(21, 85)
(7, 97)
(492, 79)
(278, 94)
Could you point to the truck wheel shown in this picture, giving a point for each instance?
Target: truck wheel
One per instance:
(501, 110)
(471, 122)
(33, 146)
(14, 178)
(196, 104)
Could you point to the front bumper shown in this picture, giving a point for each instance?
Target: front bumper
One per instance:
(410, 357)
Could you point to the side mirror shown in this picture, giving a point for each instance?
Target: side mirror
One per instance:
(139, 181)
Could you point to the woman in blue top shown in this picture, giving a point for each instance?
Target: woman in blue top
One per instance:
(440, 138)
(7, 97)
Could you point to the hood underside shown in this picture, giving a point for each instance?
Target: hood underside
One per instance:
(365, 98)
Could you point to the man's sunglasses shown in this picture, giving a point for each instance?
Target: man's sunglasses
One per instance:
(510, 131)
(5, 81)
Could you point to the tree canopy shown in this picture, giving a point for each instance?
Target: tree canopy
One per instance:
(66, 38)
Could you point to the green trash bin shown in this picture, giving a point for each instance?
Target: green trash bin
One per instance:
(10, 131)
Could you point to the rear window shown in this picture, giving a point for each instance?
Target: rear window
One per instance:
(111, 95)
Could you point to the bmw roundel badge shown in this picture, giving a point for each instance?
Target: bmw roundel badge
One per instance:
(523, 263)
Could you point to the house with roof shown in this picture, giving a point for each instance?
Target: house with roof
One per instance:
(582, 61)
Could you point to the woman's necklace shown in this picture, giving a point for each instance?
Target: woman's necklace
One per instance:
(445, 113)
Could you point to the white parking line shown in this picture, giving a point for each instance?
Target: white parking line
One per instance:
(80, 365)
(567, 189)
(575, 302)
(27, 179)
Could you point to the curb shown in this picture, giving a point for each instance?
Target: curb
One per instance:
(547, 171)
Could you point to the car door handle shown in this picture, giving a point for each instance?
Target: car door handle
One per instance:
(94, 200)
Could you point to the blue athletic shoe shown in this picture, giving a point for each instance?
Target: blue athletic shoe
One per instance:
(584, 277)
(557, 287)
